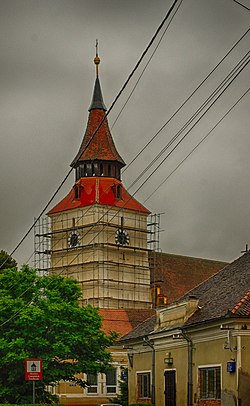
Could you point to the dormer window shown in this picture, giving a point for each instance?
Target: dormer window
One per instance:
(77, 190)
(117, 190)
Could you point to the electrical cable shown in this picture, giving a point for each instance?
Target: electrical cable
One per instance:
(197, 145)
(232, 48)
(232, 79)
(242, 5)
(100, 125)
(105, 116)
(170, 144)
(128, 79)
(164, 159)
(184, 127)
(151, 57)
(218, 96)
(145, 67)
(173, 139)
(187, 99)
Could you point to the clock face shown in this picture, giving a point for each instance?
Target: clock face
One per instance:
(74, 239)
(121, 237)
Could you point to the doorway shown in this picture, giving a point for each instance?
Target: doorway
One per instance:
(170, 388)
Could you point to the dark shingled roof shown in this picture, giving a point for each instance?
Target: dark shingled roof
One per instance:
(143, 329)
(97, 100)
(177, 274)
(226, 293)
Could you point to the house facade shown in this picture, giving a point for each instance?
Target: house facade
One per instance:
(196, 351)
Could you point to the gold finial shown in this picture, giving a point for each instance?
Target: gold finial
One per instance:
(96, 59)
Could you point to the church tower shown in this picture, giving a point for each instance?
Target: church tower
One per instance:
(99, 231)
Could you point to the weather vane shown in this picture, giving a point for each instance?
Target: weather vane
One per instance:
(97, 59)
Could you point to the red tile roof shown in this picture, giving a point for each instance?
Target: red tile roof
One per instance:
(102, 146)
(122, 321)
(243, 307)
(98, 190)
(177, 274)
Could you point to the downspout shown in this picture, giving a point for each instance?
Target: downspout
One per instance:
(151, 345)
(190, 363)
(238, 370)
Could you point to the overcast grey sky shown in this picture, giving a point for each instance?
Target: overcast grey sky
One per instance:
(47, 76)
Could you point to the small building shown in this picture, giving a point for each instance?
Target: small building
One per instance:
(196, 350)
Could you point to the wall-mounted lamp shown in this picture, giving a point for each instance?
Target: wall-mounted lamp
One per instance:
(169, 360)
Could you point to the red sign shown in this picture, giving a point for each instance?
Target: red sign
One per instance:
(33, 369)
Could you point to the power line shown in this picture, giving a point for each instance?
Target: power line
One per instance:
(232, 79)
(186, 100)
(197, 145)
(185, 135)
(39, 217)
(144, 69)
(183, 128)
(198, 111)
(218, 96)
(129, 77)
(187, 123)
(242, 5)
(101, 123)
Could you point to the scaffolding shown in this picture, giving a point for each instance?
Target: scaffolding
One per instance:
(83, 244)
(154, 230)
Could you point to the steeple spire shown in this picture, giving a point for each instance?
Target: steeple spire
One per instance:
(97, 100)
(98, 148)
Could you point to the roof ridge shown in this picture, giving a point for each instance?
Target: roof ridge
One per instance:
(195, 258)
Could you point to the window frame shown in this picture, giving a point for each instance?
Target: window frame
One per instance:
(92, 388)
(209, 378)
(114, 385)
(143, 391)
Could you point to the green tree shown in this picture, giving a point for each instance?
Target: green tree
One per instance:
(6, 261)
(40, 317)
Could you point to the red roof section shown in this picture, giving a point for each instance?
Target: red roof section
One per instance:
(122, 321)
(102, 146)
(98, 190)
(243, 307)
(177, 274)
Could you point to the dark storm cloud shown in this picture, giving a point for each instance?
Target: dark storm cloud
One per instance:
(46, 79)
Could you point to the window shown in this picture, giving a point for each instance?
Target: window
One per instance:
(76, 189)
(111, 381)
(101, 169)
(119, 192)
(85, 170)
(210, 383)
(143, 385)
(92, 382)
